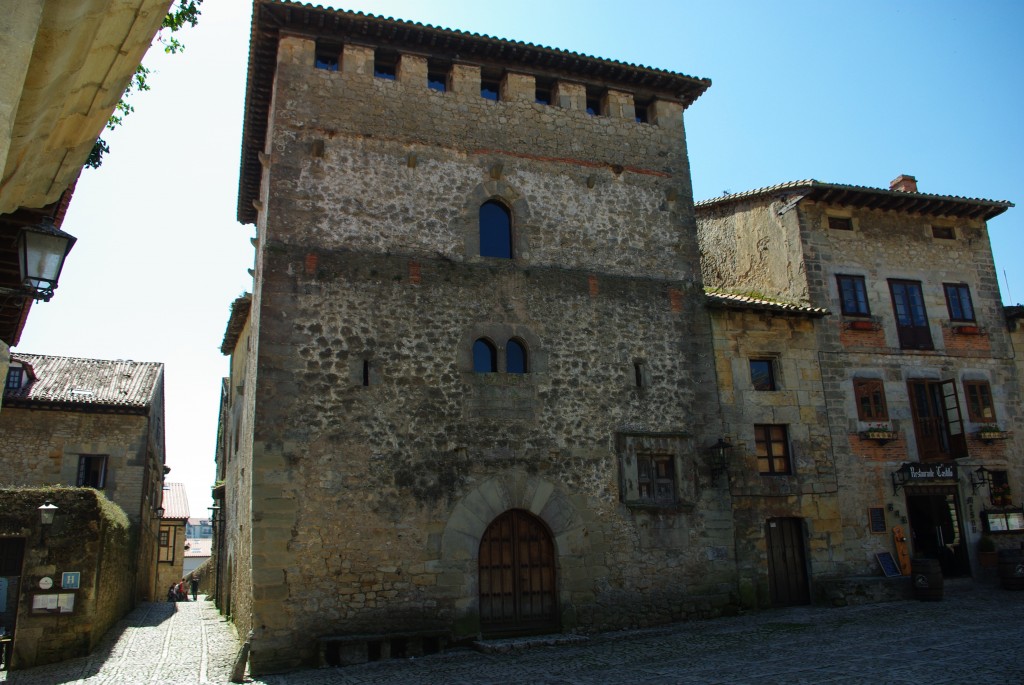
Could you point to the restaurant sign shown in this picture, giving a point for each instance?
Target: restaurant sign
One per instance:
(918, 474)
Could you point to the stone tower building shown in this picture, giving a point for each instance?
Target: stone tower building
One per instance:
(473, 389)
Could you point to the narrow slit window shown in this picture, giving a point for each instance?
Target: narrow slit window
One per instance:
(638, 374)
(366, 373)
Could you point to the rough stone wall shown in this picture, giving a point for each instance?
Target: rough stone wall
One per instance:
(753, 248)
(368, 502)
(41, 447)
(5, 365)
(810, 493)
(885, 245)
(235, 457)
(90, 535)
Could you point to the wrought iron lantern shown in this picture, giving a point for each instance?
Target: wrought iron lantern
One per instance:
(719, 459)
(42, 250)
(47, 512)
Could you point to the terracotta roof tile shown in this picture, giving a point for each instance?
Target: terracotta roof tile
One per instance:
(236, 322)
(175, 502)
(877, 198)
(199, 547)
(93, 382)
(731, 301)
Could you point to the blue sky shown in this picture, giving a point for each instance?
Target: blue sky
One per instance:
(843, 92)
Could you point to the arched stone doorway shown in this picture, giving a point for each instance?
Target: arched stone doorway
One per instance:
(517, 577)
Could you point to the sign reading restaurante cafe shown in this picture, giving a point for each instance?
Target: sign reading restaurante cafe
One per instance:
(913, 474)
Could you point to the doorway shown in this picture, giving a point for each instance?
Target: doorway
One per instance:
(12, 553)
(936, 530)
(787, 562)
(518, 594)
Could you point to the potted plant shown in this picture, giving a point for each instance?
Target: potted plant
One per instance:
(882, 432)
(990, 431)
(1001, 495)
(988, 557)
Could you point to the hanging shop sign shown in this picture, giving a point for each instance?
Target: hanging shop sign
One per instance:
(917, 474)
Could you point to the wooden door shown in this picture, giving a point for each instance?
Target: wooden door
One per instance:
(518, 592)
(938, 425)
(787, 563)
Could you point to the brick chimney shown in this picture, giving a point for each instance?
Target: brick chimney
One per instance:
(904, 183)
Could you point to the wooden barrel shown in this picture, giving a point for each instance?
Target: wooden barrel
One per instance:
(926, 577)
(1011, 569)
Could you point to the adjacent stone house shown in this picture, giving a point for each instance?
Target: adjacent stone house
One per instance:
(914, 388)
(90, 423)
(473, 392)
(171, 543)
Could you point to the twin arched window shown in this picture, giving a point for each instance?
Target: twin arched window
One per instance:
(495, 230)
(485, 356)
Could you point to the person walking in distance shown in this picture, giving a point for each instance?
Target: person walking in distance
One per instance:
(194, 584)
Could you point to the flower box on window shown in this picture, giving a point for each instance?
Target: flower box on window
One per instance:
(862, 325)
(991, 432)
(880, 433)
(968, 329)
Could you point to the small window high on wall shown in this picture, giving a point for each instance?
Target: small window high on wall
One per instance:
(515, 357)
(485, 356)
(495, 230)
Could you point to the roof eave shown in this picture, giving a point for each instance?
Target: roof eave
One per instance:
(271, 17)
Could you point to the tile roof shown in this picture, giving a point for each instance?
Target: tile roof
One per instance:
(81, 383)
(199, 547)
(236, 322)
(731, 301)
(873, 198)
(175, 502)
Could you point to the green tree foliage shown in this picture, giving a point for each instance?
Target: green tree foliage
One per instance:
(182, 13)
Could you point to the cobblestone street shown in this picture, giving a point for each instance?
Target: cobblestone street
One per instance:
(975, 635)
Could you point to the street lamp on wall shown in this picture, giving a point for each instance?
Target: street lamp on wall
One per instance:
(47, 512)
(42, 250)
(719, 458)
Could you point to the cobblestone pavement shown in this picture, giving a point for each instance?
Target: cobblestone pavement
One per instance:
(159, 642)
(974, 635)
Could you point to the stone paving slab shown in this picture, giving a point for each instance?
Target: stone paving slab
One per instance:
(975, 635)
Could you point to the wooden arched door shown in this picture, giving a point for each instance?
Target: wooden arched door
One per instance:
(518, 592)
